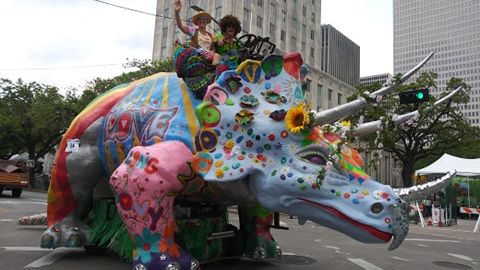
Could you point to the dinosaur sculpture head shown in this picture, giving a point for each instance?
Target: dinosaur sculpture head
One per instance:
(256, 127)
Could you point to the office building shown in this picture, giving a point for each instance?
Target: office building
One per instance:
(449, 28)
(384, 78)
(340, 56)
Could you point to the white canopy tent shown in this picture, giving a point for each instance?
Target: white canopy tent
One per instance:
(448, 163)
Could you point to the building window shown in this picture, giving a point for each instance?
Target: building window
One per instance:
(259, 22)
(164, 36)
(282, 39)
(303, 49)
(293, 43)
(319, 96)
(339, 98)
(306, 89)
(260, 3)
(246, 20)
(330, 94)
(312, 53)
(304, 32)
(272, 32)
(218, 14)
(313, 17)
(312, 34)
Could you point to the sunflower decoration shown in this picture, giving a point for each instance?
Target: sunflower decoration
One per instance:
(298, 119)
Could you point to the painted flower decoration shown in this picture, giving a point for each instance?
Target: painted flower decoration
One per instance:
(125, 201)
(146, 245)
(233, 84)
(168, 244)
(297, 118)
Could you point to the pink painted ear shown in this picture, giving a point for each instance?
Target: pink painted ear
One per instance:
(293, 64)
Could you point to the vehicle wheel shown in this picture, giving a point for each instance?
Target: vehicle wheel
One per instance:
(16, 192)
(1, 190)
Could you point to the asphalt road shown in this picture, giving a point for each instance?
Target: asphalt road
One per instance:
(305, 247)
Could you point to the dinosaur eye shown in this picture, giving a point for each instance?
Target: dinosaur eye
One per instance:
(315, 159)
(377, 208)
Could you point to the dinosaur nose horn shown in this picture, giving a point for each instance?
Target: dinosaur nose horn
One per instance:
(400, 223)
(419, 192)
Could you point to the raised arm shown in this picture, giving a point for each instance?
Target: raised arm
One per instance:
(178, 7)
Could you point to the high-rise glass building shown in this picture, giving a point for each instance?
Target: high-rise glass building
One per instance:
(293, 25)
(449, 28)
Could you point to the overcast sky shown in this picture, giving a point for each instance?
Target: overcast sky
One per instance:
(68, 42)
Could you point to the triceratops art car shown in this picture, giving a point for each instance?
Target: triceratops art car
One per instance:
(172, 164)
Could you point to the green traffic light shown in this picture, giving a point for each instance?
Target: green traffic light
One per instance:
(420, 95)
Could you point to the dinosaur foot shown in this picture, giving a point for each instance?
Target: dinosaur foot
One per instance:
(262, 248)
(162, 261)
(64, 235)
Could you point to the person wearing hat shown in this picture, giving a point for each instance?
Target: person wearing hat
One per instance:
(199, 36)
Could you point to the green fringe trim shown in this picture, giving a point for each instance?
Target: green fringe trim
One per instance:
(193, 237)
(108, 231)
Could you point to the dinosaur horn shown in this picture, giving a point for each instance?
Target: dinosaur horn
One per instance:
(371, 127)
(333, 114)
(419, 192)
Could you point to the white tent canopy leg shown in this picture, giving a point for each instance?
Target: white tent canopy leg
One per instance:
(477, 225)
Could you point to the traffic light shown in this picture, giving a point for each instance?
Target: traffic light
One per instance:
(414, 96)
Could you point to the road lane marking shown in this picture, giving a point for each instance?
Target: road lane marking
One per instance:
(432, 240)
(332, 247)
(400, 259)
(364, 264)
(26, 249)
(6, 220)
(463, 257)
(21, 202)
(51, 258)
(288, 253)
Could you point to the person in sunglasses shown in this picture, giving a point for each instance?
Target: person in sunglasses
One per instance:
(200, 37)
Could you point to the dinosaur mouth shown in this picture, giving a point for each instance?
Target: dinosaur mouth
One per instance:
(334, 212)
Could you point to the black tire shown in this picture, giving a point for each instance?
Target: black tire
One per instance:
(16, 192)
(1, 190)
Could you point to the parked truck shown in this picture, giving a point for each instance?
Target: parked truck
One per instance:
(13, 176)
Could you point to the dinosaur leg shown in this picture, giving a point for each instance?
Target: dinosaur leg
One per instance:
(82, 171)
(255, 224)
(143, 186)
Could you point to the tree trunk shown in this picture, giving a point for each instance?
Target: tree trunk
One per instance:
(407, 172)
(31, 170)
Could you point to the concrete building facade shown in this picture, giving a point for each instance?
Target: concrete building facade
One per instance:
(380, 78)
(340, 56)
(292, 25)
(449, 28)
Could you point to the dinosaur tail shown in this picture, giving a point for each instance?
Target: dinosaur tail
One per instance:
(61, 199)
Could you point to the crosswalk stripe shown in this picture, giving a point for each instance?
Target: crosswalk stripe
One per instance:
(26, 249)
(432, 240)
(54, 256)
(463, 257)
(364, 264)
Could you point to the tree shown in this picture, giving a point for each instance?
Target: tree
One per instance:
(432, 133)
(33, 118)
